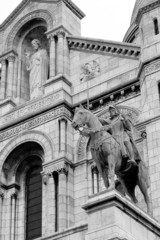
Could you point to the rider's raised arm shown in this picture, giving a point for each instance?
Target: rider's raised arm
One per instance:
(126, 122)
(104, 121)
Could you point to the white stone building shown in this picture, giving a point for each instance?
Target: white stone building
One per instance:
(46, 169)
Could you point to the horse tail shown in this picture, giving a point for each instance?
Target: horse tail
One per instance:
(143, 173)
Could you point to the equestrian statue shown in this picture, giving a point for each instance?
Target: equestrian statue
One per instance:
(114, 151)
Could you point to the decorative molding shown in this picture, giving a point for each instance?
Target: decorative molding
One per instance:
(74, 9)
(152, 67)
(40, 13)
(117, 97)
(105, 47)
(13, 186)
(90, 70)
(35, 122)
(8, 54)
(145, 9)
(31, 109)
(60, 167)
(53, 32)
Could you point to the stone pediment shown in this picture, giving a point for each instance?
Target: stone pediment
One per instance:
(119, 49)
(24, 3)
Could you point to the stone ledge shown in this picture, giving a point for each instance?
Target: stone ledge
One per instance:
(113, 200)
(6, 106)
(66, 233)
(57, 78)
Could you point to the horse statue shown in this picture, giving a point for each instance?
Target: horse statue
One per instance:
(106, 153)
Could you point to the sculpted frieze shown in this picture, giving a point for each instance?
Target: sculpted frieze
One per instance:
(90, 70)
(153, 67)
(35, 122)
(31, 108)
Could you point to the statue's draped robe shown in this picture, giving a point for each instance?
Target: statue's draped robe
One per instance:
(120, 128)
(39, 66)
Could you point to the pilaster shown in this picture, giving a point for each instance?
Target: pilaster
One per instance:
(3, 78)
(10, 78)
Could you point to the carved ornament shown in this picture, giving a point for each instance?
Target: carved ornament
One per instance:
(90, 70)
(61, 167)
(35, 122)
(153, 67)
(31, 108)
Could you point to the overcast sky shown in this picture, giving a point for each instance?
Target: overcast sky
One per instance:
(105, 19)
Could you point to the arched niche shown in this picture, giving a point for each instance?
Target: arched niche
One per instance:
(33, 26)
(34, 29)
(129, 112)
(20, 160)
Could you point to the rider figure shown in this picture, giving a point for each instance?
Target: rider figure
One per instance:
(119, 126)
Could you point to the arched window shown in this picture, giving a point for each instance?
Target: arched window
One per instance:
(156, 27)
(34, 203)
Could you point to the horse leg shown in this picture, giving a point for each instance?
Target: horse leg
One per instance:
(111, 171)
(143, 187)
(102, 169)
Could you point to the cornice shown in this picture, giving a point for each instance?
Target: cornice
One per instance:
(74, 8)
(10, 53)
(19, 8)
(120, 49)
(130, 32)
(146, 9)
(14, 13)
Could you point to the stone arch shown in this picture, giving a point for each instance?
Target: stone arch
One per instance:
(82, 144)
(30, 136)
(38, 14)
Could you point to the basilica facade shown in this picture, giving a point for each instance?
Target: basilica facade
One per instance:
(47, 173)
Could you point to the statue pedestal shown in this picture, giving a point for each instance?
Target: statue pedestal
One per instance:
(6, 106)
(113, 217)
(60, 81)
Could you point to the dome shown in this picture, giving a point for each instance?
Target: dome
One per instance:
(138, 5)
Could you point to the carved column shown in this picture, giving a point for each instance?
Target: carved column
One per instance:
(1, 211)
(51, 205)
(52, 56)
(63, 135)
(13, 214)
(15, 79)
(62, 198)
(3, 79)
(11, 60)
(60, 52)
(95, 180)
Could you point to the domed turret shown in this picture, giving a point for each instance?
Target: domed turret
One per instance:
(132, 34)
(138, 5)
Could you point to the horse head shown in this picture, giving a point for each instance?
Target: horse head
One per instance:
(80, 117)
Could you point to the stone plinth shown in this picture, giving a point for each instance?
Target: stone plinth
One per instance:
(6, 106)
(113, 217)
(58, 82)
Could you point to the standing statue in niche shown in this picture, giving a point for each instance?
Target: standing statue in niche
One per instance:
(38, 66)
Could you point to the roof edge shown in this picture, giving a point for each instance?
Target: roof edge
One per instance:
(21, 5)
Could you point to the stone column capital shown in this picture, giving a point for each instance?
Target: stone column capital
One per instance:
(3, 61)
(51, 37)
(60, 33)
(94, 167)
(1, 194)
(144, 134)
(11, 58)
(61, 167)
(63, 119)
(14, 195)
